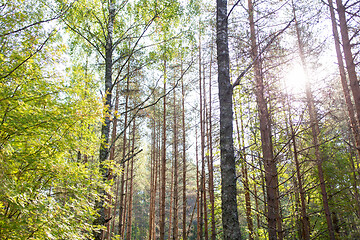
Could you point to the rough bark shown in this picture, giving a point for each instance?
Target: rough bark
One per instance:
(230, 221)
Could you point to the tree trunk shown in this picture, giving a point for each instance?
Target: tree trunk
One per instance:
(122, 181)
(230, 220)
(305, 231)
(350, 66)
(105, 128)
(211, 167)
(130, 207)
(271, 178)
(163, 165)
(153, 182)
(184, 234)
(112, 157)
(176, 198)
(245, 179)
(197, 188)
(315, 134)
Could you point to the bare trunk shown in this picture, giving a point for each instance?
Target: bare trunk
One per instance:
(315, 135)
(350, 66)
(130, 207)
(245, 179)
(112, 157)
(211, 167)
(175, 201)
(163, 166)
(122, 181)
(271, 178)
(183, 156)
(197, 188)
(152, 180)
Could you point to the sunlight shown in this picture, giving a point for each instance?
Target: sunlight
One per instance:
(295, 80)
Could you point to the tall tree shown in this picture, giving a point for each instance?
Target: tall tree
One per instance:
(315, 133)
(229, 209)
(271, 176)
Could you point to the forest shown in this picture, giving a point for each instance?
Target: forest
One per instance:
(179, 119)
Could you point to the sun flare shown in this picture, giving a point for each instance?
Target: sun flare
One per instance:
(295, 79)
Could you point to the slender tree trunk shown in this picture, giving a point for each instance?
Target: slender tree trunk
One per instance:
(350, 66)
(126, 195)
(230, 220)
(271, 178)
(183, 156)
(171, 199)
(163, 166)
(197, 188)
(305, 224)
(152, 180)
(130, 207)
(352, 119)
(112, 157)
(176, 197)
(211, 167)
(202, 147)
(122, 181)
(315, 134)
(206, 232)
(353, 123)
(245, 179)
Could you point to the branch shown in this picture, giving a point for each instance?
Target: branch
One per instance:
(31, 55)
(39, 22)
(242, 74)
(147, 106)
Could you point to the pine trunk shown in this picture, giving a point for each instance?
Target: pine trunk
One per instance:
(271, 178)
(315, 135)
(163, 166)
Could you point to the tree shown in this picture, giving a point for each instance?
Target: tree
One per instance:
(230, 221)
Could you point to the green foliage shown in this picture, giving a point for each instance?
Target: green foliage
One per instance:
(47, 121)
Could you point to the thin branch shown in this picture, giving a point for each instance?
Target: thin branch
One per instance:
(242, 74)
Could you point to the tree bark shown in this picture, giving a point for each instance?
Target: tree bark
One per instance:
(230, 221)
